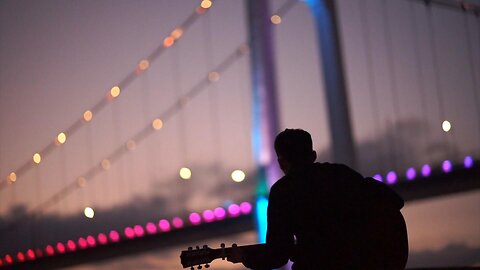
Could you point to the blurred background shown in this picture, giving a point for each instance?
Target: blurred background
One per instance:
(135, 118)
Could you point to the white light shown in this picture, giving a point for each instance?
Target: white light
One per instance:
(446, 126)
(238, 176)
(89, 213)
(185, 173)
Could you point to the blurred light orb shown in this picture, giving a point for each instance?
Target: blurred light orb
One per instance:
(411, 173)
(378, 177)
(177, 222)
(447, 166)
(61, 138)
(131, 145)
(87, 116)
(185, 173)
(468, 162)
(12, 177)
(391, 177)
(276, 19)
(81, 181)
(105, 164)
(213, 76)
(157, 124)
(446, 126)
(168, 41)
(238, 176)
(37, 158)
(88, 212)
(206, 4)
(426, 170)
(115, 91)
(177, 33)
(143, 65)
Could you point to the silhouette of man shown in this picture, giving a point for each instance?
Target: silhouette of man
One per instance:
(327, 216)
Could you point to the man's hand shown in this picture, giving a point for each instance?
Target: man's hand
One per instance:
(236, 254)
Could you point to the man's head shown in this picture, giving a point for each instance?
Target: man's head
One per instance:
(294, 147)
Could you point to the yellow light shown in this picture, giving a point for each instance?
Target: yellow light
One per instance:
(37, 158)
(81, 182)
(168, 41)
(131, 145)
(206, 4)
(12, 177)
(61, 138)
(87, 116)
(213, 76)
(446, 126)
(157, 124)
(238, 176)
(177, 33)
(185, 173)
(143, 65)
(105, 164)
(115, 91)
(88, 212)
(275, 19)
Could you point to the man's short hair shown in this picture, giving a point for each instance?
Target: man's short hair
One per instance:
(294, 145)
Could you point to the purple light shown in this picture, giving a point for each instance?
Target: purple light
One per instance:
(164, 225)
(234, 210)
(378, 177)
(49, 250)
(219, 213)
(129, 232)
(31, 254)
(114, 236)
(71, 245)
(139, 231)
(177, 222)
(208, 215)
(246, 208)
(102, 239)
(151, 228)
(91, 241)
(20, 256)
(411, 174)
(391, 177)
(61, 248)
(194, 218)
(468, 162)
(447, 166)
(426, 170)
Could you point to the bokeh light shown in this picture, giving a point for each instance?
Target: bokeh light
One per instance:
(177, 222)
(82, 243)
(114, 236)
(129, 233)
(102, 239)
(115, 91)
(195, 218)
(71, 245)
(61, 248)
(164, 225)
(87, 116)
(177, 33)
(220, 213)
(426, 170)
(81, 182)
(411, 174)
(31, 254)
(20, 256)
(246, 208)
(185, 173)
(139, 231)
(61, 138)
(208, 215)
(238, 176)
(446, 126)
(12, 177)
(37, 158)
(213, 76)
(157, 124)
(276, 19)
(468, 162)
(89, 212)
(143, 65)
(91, 242)
(49, 250)
(391, 177)
(234, 210)
(168, 41)
(378, 177)
(206, 4)
(447, 166)
(151, 228)
(105, 164)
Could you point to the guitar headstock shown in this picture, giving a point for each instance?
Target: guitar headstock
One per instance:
(198, 256)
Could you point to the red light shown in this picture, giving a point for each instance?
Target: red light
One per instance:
(60, 248)
(31, 254)
(1, 262)
(49, 250)
(20, 256)
(82, 243)
(91, 241)
(8, 259)
(114, 236)
(71, 245)
(102, 239)
(129, 233)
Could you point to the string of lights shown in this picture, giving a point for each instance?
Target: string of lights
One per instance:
(112, 94)
(155, 125)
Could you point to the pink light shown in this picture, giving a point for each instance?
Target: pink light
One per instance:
(114, 236)
(20, 256)
(1, 262)
(195, 218)
(391, 177)
(49, 250)
(82, 243)
(8, 259)
(468, 162)
(60, 248)
(151, 228)
(426, 170)
(220, 213)
(447, 166)
(39, 252)
(139, 231)
(71, 245)
(177, 222)
(378, 177)
(411, 173)
(102, 239)
(91, 242)
(129, 232)
(245, 208)
(31, 254)
(208, 215)
(164, 225)
(234, 210)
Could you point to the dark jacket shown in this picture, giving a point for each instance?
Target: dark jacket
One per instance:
(328, 216)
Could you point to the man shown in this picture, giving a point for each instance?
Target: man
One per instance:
(327, 216)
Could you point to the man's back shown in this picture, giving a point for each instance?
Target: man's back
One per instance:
(339, 219)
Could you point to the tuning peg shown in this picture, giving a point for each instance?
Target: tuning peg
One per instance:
(190, 248)
(199, 267)
(207, 265)
(222, 245)
(198, 247)
(234, 245)
(192, 268)
(205, 246)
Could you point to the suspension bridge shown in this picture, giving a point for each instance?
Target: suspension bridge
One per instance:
(152, 148)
